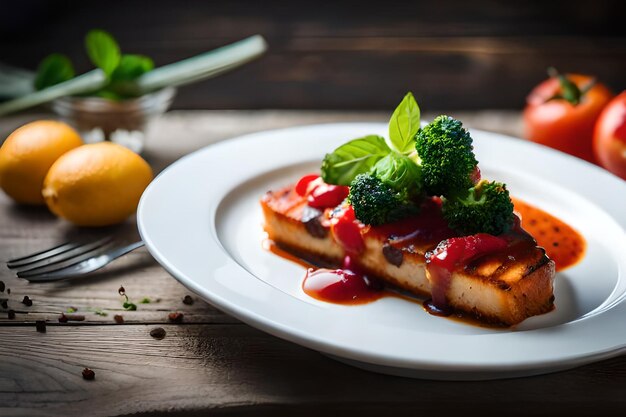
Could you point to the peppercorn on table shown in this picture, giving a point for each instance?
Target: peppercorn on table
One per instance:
(130, 339)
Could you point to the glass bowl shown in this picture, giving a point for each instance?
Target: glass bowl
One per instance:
(126, 122)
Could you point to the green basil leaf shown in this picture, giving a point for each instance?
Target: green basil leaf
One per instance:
(400, 173)
(53, 69)
(404, 124)
(103, 50)
(131, 67)
(355, 157)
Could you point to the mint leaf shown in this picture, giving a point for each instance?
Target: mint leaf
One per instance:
(131, 67)
(404, 124)
(355, 157)
(103, 50)
(400, 173)
(53, 69)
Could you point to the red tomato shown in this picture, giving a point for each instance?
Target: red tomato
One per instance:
(347, 232)
(326, 195)
(558, 123)
(609, 140)
(302, 187)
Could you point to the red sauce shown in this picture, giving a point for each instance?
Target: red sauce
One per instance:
(563, 244)
(427, 229)
(347, 231)
(342, 286)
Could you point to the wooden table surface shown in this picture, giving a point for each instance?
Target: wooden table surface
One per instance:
(212, 364)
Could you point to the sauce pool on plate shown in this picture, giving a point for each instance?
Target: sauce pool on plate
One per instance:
(563, 244)
(341, 286)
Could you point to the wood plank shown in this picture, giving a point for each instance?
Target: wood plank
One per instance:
(359, 56)
(216, 369)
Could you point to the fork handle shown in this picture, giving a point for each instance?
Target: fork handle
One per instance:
(124, 250)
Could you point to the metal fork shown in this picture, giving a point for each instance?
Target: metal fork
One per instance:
(69, 260)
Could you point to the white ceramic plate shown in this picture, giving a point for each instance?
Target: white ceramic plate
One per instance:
(202, 221)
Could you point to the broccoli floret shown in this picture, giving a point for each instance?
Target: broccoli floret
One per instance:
(484, 208)
(447, 158)
(376, 203)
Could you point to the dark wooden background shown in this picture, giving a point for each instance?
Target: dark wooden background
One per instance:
(453, 54)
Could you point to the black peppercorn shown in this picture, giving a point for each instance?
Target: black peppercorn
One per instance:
(88, 374)
(40, 325)
(158, 333)
(27, 301)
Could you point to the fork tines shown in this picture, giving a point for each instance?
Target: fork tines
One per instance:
(66, 254)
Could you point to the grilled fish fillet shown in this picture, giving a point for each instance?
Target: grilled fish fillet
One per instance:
(502, 288)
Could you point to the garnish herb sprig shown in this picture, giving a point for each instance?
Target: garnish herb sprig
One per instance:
(364, 155)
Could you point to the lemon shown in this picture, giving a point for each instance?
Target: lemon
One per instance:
(28, 153)
(96, 185)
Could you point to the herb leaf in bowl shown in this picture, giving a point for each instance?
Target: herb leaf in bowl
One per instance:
(132, 66)
(54, 69)
(103, 50)
(122, 83)
(121, 70)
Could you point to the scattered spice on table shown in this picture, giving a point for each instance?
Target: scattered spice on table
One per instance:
(158, 333)
(71, 310)
(2, 286)
(11, 314)
(119, 319)
(176, 317)
(145, 300)
(40, 325)
(64, 318)
(27, 301)
(4, 303)
(188, 300)
(88, 374)
(99, 312)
